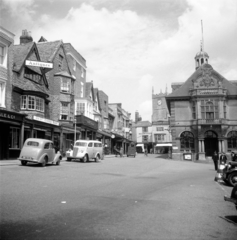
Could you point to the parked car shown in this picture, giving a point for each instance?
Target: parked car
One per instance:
(233, 196)
(85, 150)
(230, 173)
(42, 151)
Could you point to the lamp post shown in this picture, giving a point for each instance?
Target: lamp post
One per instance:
(75, 129)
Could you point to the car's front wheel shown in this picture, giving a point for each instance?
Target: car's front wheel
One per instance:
(85, 159)
(23, 163)
(233, 179)
(58, 162)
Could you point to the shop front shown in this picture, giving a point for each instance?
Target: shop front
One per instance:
(11, 132)
(88, 127)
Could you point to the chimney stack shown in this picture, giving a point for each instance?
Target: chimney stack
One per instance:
(25, 37)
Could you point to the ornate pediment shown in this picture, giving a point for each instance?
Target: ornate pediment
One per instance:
(206, 77)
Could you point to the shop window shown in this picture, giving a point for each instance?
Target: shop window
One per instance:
(232, 140)
(65, 85)
(187, 140)
(32, 103)
(2, 94)
(14, 140)
(64, 112)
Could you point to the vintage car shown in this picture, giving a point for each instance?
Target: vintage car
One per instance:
(85, 150)
(42, 151)
(229, 175)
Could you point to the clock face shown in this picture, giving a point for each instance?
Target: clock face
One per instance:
(159, 102)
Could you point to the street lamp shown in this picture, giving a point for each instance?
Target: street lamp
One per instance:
(75, 129)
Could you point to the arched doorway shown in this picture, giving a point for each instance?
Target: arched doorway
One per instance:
(211, 143)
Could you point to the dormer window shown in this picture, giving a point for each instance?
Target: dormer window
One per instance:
(33, 76)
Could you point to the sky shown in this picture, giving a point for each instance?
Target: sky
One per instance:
(133, 46)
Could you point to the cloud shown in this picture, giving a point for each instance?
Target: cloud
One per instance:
(129, 50)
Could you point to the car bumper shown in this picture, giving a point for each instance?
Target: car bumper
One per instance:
(229, 199)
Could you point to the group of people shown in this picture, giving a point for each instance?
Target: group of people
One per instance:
(223, 159)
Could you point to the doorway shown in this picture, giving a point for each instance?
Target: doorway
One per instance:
(211, 143)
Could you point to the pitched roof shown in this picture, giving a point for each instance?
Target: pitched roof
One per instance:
(48, 50)
(183, 90)
(21, 52)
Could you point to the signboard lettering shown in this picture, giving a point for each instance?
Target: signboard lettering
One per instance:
(39, 64)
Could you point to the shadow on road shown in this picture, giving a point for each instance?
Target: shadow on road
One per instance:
(231, 219)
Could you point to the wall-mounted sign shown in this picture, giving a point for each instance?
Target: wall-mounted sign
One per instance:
(112, 136)
(175, 147)
(10, 115)
(45, 120)
(39, 64)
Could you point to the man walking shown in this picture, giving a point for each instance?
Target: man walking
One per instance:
(215, 160)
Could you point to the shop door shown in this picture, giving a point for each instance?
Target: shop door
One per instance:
(4, 140)
(211, 143)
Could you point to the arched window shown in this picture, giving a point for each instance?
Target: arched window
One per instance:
(210, 134)
(187, 140)
(232, 140)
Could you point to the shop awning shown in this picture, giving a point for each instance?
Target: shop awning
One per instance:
(164, 145)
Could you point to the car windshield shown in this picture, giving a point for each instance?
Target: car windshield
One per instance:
(31, 143)
(81, 144)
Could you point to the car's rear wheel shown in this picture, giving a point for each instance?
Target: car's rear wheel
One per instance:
(85, 159)
(233, 179)
(23, 163)
(97, 158)
(43, 164)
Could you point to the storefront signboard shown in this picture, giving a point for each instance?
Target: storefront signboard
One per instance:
(10, 115)
(39, 64)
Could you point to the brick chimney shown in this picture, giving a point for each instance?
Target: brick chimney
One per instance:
(25, 37)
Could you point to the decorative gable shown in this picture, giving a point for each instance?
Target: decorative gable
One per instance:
(207, 78)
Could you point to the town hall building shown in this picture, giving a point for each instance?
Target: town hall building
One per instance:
(203, 113)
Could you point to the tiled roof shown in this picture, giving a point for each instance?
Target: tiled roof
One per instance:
(20, 54)
(48, 50)
(28, 85)
(63, 73)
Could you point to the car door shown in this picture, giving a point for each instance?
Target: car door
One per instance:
(90, 150)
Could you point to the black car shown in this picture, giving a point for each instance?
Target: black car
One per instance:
(230, 173)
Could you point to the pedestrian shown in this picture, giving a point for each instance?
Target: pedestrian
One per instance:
(223, 159)
(215, 160)
(145, 151)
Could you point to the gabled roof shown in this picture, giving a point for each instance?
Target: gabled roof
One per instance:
(48, 50)
(21, 52)
(183, 90)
